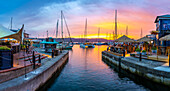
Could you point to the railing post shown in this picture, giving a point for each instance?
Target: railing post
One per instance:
(33, 59)
(119, 64)
(39, 59)
(52, 54)
(140, 57)
(169, 60)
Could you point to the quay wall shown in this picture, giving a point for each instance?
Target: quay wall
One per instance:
(9, 74)
(37, 78)
(144, 71)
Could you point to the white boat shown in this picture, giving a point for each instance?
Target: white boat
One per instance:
(99, 43)
(87, 45)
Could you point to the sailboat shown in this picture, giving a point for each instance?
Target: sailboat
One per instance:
(99, 43)
(62, 44)
(86, 44)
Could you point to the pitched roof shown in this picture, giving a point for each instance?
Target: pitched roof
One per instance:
(162, 16)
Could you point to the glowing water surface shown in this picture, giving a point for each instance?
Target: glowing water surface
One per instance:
(85, 71)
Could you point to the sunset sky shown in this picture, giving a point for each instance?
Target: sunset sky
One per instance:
(41, 15)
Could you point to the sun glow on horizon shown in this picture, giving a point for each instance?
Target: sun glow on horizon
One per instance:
(104, 36)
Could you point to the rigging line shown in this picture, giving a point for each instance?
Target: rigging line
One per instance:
(67, 28)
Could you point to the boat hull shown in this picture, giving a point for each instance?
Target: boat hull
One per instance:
(87, 46)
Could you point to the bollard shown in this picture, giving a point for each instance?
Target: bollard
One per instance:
(33, 60)
(60, 51)
(119, 64)
(52, 54)
(140, 57)
(39, 61)
(123, 53)
(12, 59)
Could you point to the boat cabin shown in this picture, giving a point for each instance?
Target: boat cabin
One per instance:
(49, 44)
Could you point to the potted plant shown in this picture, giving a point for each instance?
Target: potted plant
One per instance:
(133, 55)
(143, 52)
(22, 47)
(138, 51)
(6, 60)
(154, 50)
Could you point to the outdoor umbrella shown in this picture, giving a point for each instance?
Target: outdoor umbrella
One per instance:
(124, 39)
(144, 39)
(165, 38)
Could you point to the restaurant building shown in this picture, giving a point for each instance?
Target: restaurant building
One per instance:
(163, 28)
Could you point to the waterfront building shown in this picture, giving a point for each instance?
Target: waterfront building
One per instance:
(163, 28)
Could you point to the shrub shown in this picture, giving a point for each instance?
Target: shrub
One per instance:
(153, 48)
(5, 43)
(23, 46)
(133, 55)
(5, 48)
(137, 50)
(144, 51)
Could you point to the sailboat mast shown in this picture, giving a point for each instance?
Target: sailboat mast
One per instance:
(11, 22)
(116, 23)
(98, 34)
(110, 37)
(47, 33)
(126, 30)
(113, 35)
(106, 35)
(85, 33)
(62, 25)
(141, 33)
(57, 29)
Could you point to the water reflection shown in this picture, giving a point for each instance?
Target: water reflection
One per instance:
(86, 71)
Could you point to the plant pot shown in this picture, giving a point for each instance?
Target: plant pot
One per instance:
(138, 52)
(7, 61)
(143, 53)
(154, 51)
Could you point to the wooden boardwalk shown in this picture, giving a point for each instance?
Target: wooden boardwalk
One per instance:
(19, 58)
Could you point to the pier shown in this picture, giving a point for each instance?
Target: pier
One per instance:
(155, 71)
(38, 77)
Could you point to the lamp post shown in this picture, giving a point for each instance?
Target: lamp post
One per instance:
(25, 64)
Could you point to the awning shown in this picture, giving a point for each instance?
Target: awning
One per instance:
(165, 38)
(6, 33)
(45, 42)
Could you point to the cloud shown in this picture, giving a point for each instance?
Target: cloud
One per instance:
(41, 15)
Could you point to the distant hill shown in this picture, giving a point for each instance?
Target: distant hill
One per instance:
(79, 39)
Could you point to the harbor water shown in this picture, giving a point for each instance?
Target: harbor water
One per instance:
(85, 71)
